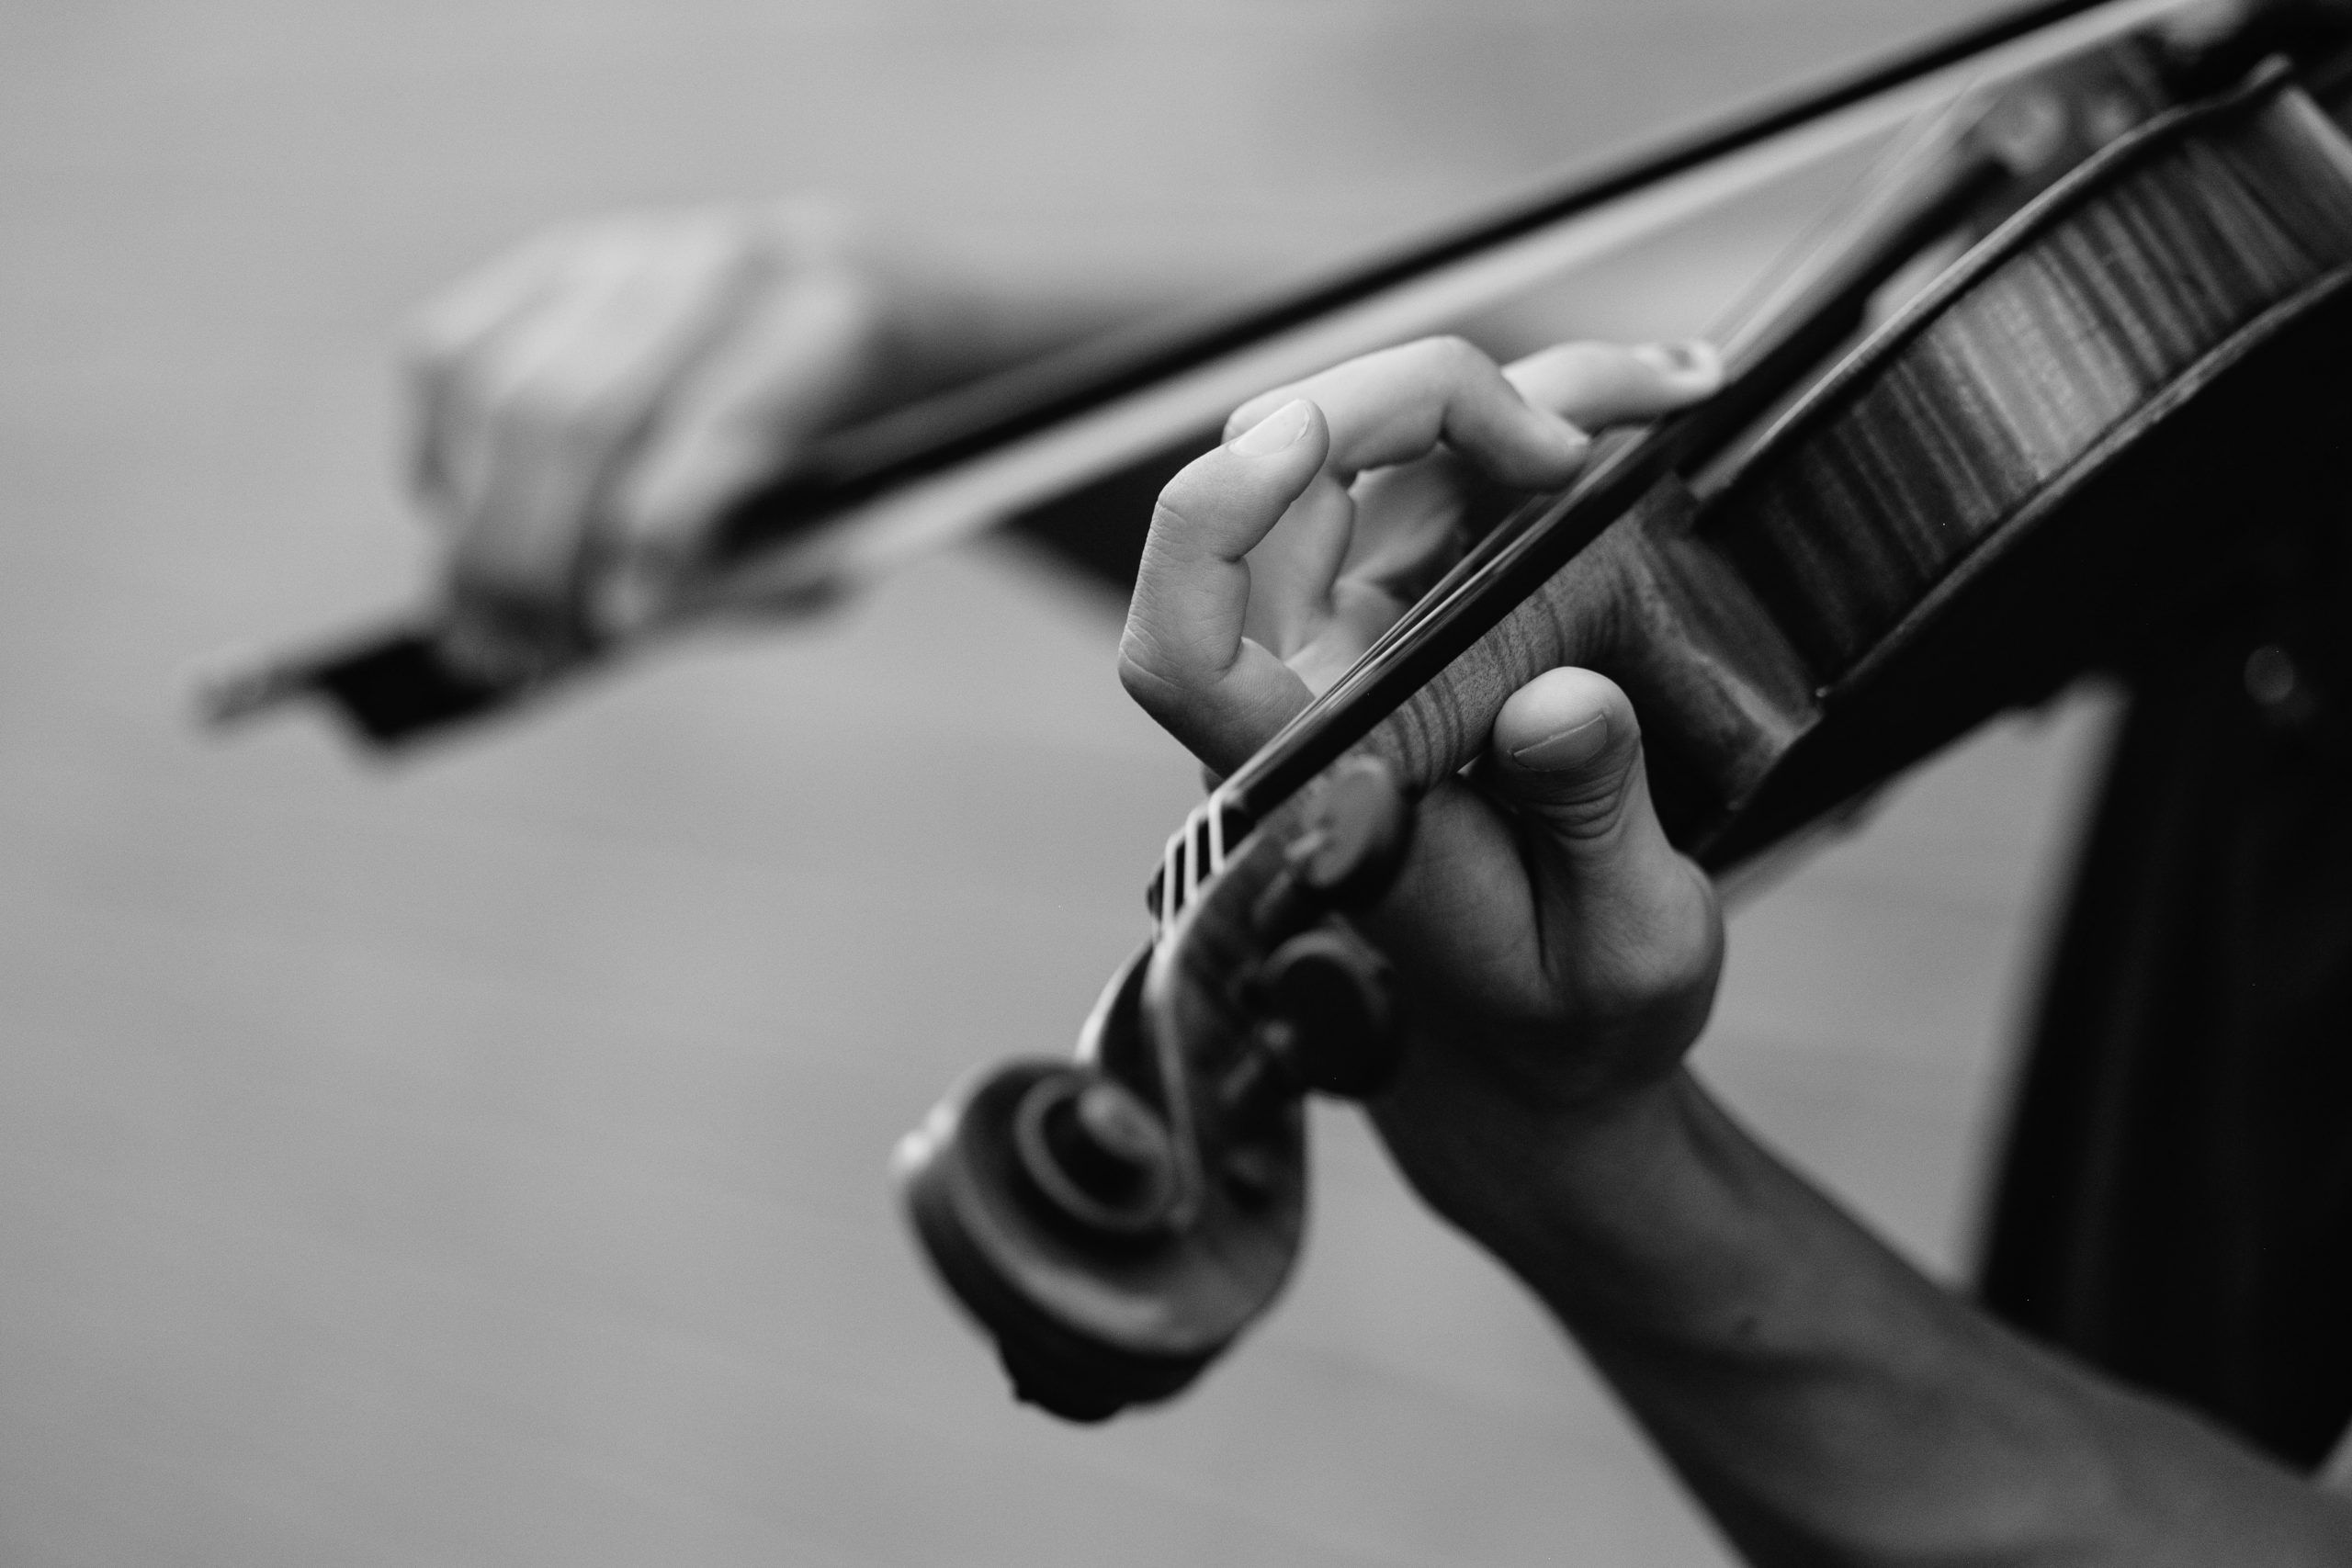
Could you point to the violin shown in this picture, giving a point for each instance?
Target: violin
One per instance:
(2114, 410)
(1062, 445)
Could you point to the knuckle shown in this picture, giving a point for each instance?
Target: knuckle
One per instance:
(1145, 673)
(1593, 809)
(1454, 357)
(1137, 676)
(1170, 520)
(1589, 815)
(1182, 517)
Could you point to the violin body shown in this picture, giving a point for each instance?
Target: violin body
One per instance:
(2089, 426)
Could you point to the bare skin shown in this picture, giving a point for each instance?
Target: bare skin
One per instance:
(585, 407)
(1557, 958)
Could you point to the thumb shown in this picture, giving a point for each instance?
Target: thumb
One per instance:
(1624, 913)
(1567, 753)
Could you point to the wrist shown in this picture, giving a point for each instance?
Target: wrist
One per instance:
(1525, 1175)
(1645, 1218)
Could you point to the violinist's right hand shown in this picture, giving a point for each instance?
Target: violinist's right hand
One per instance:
(586, 407)
(586, 404)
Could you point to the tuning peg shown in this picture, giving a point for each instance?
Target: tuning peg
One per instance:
(1353, 836)
(1327, 1022)
(1357, 830)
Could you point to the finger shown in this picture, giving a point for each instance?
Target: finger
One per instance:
(485, 392)
(456, 327)
(564, 398)
(798, 357)
(1591, 384)
(450, 323)
(1612, 893)
(1408, 525)
(1186, 656)
(1600, 384)
(1386, 410)
(1397, 404)
(1294, 568)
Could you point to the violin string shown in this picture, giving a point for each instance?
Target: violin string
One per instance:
(1825, 235)
(1923, 138)
(1926, 134)
(1826, 280)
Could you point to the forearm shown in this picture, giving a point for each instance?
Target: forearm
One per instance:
(1827, 1403)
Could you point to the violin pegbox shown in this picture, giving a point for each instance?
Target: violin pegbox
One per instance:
(1114, 1220)
(1257, 978)
(1319, 997)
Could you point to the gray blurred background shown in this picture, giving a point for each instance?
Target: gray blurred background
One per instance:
(481, 1160)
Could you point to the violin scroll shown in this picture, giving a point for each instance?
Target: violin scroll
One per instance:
(1045, 1193)
(1114, 1220)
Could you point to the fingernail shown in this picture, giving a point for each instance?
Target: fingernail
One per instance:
(1274, 432)
(1689, 357)
(1569, 748)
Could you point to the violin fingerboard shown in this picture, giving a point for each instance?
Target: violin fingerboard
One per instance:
(1668, 617)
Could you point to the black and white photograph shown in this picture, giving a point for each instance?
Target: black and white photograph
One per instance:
(1340, 783)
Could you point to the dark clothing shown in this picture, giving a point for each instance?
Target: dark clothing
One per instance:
(2176, 1200)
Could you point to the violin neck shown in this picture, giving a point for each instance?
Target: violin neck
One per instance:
(1865, 547)
(1825, 307)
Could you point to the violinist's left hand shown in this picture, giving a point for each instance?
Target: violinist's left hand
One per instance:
(1569, 950)
(1554, 957)
(1276, 560)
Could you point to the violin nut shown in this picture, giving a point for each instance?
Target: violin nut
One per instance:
(1357, 832)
